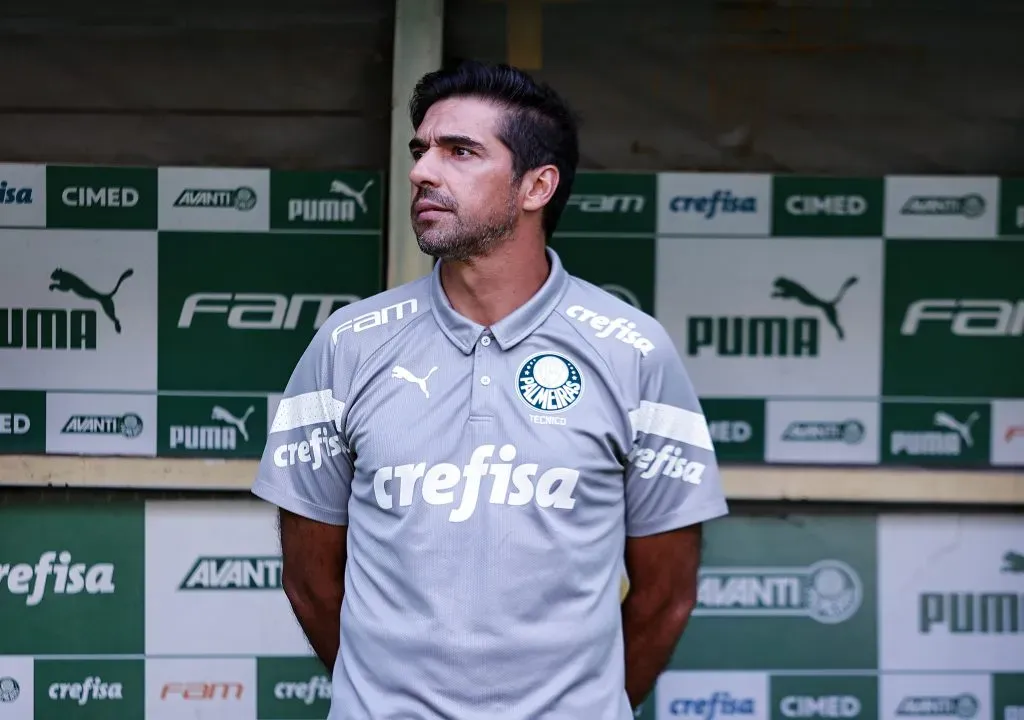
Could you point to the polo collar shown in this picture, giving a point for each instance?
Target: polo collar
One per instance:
(509, 331)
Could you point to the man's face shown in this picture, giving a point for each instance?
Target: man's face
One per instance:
(463, 199)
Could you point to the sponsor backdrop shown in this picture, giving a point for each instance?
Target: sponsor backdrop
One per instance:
(825, 321)
(157, 311)
(172, 609)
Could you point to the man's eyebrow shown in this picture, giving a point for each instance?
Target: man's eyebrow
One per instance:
(418, 143)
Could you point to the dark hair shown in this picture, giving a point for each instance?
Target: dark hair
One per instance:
(538, 127)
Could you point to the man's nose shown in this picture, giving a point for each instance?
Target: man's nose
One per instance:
(424, 170)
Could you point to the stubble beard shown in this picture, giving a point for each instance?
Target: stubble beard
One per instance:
(457, 239)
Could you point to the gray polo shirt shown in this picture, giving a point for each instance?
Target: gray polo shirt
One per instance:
(488, 478)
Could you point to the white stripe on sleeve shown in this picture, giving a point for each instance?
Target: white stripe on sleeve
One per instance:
(312, 408)
(673, 423)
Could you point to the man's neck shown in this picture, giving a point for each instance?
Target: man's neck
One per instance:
(488, 288)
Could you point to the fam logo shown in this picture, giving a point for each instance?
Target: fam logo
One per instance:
(968, 206)
(242, 199)
(549, 382)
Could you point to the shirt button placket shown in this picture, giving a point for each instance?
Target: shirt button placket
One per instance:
(481, 379)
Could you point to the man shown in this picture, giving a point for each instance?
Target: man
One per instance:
(463, 462)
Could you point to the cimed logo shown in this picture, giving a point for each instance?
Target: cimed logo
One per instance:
(549, 382)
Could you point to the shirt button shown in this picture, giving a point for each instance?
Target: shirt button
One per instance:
(485, 341)
(485, 380)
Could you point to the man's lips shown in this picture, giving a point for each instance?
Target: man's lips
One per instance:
(424, 209)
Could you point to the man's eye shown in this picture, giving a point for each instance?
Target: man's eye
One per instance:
(417, 154)
(463, 152)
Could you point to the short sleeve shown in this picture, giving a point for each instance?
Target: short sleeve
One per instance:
(672, 477)
(306, 467)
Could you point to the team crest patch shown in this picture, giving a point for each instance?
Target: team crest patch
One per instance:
(549, 382)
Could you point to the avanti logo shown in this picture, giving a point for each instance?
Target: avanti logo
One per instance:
(515, 485)
(68, 578)
(849, 432)
(947, 441)
(972, 612)
(10, 195)
(829, 592)
(233, 573)
(57, 328)
(968, 206)
(719, 704)
(622, 329)
(341, 209)
(709, 206)
(242, 199)
(262, 311)
(594, 203)
(91, 688)
(212, 437)
(831, 205)
(128, 425)
(966, 317)
(962, 707)
(769, 336)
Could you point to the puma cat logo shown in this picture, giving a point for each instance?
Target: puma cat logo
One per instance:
(401, 373)
(1013, 562)
(787, 289)
(342, 188)
(69, 282)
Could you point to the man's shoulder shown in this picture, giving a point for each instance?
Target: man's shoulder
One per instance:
(611, 324)
(379, 316)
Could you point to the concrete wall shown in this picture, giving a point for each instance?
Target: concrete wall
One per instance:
(297, 84)
(809, 86)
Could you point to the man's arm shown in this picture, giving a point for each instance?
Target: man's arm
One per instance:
(306, 471)
(313, 576)
(672, 488)
(662, 572)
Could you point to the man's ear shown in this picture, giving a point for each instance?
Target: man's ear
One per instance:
(539, 187)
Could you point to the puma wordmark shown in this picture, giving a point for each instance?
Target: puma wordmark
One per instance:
(510, 484)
